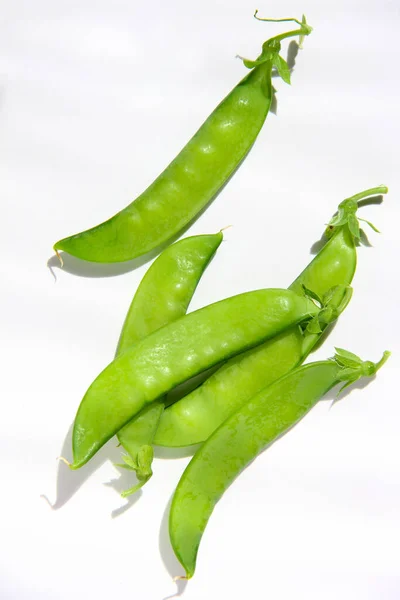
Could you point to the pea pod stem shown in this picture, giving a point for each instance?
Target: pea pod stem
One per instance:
(380, 189)
(384, 359)
(286, 20)
(304, 30)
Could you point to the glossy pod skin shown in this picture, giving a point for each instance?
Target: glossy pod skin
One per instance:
(162, 297)
(258, 423)
(193, 178)
(174, 354)
(193, 419)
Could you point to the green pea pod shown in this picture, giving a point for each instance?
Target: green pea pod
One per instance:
(193, 419)
(258, 423)
(162, 297)
(174, 354)
(195, 176)
(167, 287)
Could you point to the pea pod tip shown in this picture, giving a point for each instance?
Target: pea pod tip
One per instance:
(182, 577)
(58, 256)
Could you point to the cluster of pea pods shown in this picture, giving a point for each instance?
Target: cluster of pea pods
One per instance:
(254, 343)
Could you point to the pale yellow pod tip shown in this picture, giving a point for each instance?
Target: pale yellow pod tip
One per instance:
(64, 460)
(59, 257)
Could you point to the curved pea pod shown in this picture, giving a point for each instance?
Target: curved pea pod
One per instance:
(258, 423)
(162, 297)
(197, 173)
(327, 277)
(174, 354)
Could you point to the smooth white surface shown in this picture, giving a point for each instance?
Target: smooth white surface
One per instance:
(95, 99)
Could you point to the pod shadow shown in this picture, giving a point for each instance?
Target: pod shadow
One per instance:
(293, 50)
(335, 396)
(164, 452)
(168, 557)
(69, 481)
(125, 480)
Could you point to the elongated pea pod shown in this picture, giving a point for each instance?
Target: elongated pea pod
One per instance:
(258, 423)
(162, 297)
(197, 173)
(327, 277)
(174, 354)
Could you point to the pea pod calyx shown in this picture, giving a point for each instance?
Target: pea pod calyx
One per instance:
(331, 305)
(141, 465)
(272, 47)
(346, 214)
(353, 367)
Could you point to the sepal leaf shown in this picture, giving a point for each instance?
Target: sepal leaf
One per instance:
(307, 30)
(347, 359)
(144, 460)
(353, 368)
(129, 463)
(348, 383)
(354, 226)
(141, 465)
(370, 224)
(251, 64)
(332, 304)
(282, 67)
(346, 213)
(314, 326)
(313, 295)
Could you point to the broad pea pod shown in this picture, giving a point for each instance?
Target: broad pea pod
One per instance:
(174, 354)
(192, 419)
(248, 431)
(162, 297)
(197, 173)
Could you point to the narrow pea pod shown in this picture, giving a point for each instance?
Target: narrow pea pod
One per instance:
(162, 297)
(174, 354)
(193, 419)
(195, 176)
(258, 423)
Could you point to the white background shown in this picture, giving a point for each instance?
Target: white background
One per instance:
(95, 99)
